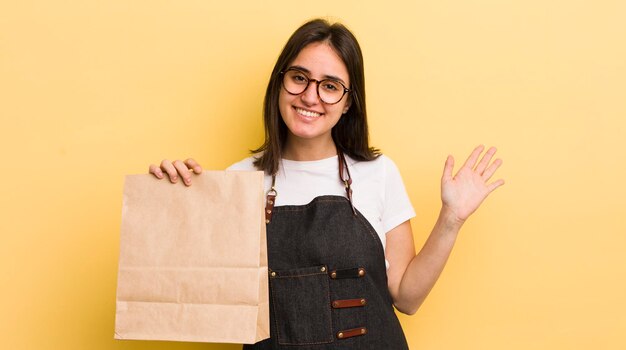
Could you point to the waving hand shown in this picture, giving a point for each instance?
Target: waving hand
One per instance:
(463, 193)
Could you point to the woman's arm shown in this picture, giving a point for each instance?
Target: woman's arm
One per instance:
(411, 276)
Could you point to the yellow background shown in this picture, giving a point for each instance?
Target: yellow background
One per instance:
(93, 90)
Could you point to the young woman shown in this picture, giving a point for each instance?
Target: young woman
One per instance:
(340, 246)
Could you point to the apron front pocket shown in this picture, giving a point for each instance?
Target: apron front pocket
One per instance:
(301, 305)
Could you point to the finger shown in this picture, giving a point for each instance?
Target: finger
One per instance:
(192, 164)
(485, 160)
(495, 185)
(183, 171)
(156, 171)
(169, 168)
(491, 169)
(473, 158)
(447, 169)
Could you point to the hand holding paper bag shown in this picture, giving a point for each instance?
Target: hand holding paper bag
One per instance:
(176, 169)
(193, 264)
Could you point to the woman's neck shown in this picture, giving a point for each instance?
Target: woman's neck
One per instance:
(308, 150)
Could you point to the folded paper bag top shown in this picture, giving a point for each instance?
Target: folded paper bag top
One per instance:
(193, 260)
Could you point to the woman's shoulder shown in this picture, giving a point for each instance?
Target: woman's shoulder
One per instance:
(244, 164)
(380, 163)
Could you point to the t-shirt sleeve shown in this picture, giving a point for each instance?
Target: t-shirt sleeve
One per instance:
(397, 205)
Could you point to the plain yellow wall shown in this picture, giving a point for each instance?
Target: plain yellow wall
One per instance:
(93, 90)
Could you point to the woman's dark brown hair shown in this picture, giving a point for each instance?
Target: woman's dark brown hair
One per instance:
(350, 134)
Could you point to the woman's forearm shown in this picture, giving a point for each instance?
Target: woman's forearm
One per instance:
(426, 267)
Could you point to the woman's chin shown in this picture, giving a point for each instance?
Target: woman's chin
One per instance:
(309, 134)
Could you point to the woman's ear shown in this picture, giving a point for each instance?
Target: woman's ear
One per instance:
(347, 106)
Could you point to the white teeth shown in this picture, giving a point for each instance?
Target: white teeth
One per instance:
(307, 113)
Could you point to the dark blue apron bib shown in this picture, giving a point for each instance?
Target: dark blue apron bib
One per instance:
(328, 280)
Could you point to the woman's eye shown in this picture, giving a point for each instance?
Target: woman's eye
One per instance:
(299, 78)
(330, 86)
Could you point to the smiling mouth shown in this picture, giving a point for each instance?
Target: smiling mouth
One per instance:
(306, 113)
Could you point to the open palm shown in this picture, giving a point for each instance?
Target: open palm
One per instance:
(467, 189)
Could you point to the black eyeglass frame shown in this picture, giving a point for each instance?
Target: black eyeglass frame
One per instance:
(317, 89)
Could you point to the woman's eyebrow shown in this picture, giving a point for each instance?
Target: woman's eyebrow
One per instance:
(300, 68)
(331, 77)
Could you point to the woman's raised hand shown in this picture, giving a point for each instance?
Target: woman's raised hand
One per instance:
(463, 193)
(176, 169)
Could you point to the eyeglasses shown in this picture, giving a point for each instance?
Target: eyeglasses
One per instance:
(329, 91)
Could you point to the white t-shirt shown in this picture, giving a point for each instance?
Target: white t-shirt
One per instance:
(378, 190)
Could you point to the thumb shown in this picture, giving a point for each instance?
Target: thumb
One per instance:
(447, 169)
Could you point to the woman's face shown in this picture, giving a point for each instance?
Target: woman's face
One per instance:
(305, 115)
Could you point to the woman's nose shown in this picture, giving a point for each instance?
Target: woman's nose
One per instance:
(309, 96)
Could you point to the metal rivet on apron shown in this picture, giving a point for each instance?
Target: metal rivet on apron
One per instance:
(340, 335)
(323, 268)
(273, 274)
(363, 330)
(363, 301)
(271, 201)
(333, 274)
(267, 221)
(361, 272)
(269, 211)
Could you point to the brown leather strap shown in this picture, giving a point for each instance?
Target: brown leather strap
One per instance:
(269, 207)
(270, 200)
(349, 333)
(344, 172)
(344, 175)
(341, 304)
(348, 273)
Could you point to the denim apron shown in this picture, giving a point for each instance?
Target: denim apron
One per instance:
(328, 280)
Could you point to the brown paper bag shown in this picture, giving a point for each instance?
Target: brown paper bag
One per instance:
(193, 260)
